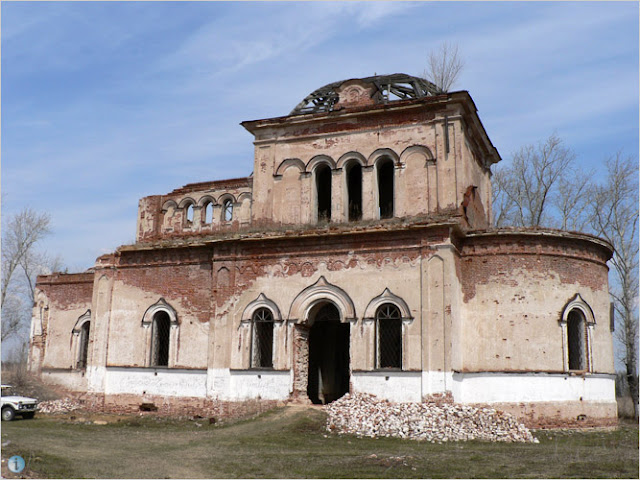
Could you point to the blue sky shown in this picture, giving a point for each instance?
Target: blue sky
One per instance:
(104, 103)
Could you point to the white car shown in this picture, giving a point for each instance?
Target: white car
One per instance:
(13, 405)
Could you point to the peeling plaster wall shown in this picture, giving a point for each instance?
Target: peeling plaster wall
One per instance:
(433, 166)
(362, 270)
(60, 300)
(183, 280)
(514, 292)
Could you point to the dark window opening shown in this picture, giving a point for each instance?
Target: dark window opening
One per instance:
(385, 189)
(161, 329)
(262, 344)
(323, 189)
(389, 333)
(577, 333)
(227, 208)
(354, 190)
(84, 345)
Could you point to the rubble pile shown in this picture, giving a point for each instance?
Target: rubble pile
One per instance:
(434, 421)
(64, 405)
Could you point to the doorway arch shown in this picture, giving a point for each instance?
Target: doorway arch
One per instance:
(329, 342)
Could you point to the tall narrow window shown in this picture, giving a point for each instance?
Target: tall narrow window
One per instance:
(189, 213)
(208, 213)
(227, 210)
(262, 341)
(389, 337)
(354, 191)
(161, 330)
(323, 192)
(83, 347)
(385, 188)
(577, 340)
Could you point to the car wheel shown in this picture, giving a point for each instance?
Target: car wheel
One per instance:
(8, 414)
(28, 415)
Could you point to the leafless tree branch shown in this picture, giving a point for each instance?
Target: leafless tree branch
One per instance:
(444, 66)
(20, 235)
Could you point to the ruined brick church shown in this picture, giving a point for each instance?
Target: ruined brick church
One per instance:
(359, 256)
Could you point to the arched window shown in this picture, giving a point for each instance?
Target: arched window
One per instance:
(83, 347)
(323, 192)
(160, 334)
(577, 323)
(385, 188)
(208, 213)
(354, 191)
(227, 210)
(262, 339)
(577, 340)
(388, 336)
(189, 214)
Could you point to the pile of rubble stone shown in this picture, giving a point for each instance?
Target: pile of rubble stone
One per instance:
(438, 420)
(64, 405)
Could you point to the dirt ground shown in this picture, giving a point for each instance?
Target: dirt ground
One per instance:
(292, 442)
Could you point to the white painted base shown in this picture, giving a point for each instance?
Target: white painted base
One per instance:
(95, 379)
(393, 386)
(150, 381)
(235, 385)
(532, 387)
(436, 382)
(74, 380)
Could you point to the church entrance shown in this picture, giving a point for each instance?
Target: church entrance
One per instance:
(328, 375)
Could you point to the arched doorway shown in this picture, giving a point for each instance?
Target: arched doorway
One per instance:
(328, 375)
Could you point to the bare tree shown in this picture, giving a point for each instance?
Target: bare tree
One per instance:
(444, 66)
(501, 202)
(615, 217)
(20, 236)
(571, 199)
(528, 187)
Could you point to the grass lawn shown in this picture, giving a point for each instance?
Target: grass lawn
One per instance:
(292, 443)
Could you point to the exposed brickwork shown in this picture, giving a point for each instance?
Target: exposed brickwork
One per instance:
(66, 289)
(183, 274)
(214, 185)
(493, 258)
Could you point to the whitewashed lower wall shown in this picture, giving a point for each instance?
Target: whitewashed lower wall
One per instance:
(532, 387)
(74, 380)
(233, 385)
(393, 386)
(436, 382)
(150, 381)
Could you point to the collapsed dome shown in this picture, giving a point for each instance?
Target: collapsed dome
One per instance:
(381, 89)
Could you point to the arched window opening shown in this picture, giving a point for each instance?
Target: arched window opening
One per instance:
(160, 332)
(323, 192)
(227, 210)
(577, 340)
(208, 213)
(190, 213)
(262, 341)
(83, 348)
(389, 337)
(354, 191)
(385, 188)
